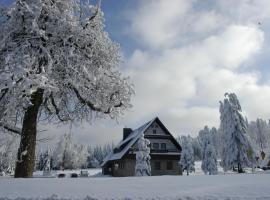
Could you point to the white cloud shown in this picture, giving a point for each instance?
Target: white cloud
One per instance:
(190, 53)
(156, 22)
(183, 80)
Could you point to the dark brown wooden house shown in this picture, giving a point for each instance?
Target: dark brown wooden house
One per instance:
(165, 151)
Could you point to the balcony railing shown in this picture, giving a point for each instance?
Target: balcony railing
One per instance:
(163, 151)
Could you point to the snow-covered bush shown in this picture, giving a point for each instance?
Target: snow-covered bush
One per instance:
(143, 165)
(187, 156)
(237, 150)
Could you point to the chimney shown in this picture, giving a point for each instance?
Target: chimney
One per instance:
(126, 132)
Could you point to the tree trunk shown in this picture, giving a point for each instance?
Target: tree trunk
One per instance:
(240, 169)
(26, 153)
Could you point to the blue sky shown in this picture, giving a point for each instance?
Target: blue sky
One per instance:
(182, 56)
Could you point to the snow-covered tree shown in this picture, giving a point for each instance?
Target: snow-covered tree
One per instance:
(63, 155)
(56, 63)
(8, 147)
(68, 155)
(47, 160)
(143, 165)
(237, 149)
(44, 162)
(209, 162)
(187, 156)
(80, 157)
(259, 132)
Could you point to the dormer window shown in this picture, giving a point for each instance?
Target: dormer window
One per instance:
(154, 131)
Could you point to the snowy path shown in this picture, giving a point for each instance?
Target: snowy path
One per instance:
(229, 187)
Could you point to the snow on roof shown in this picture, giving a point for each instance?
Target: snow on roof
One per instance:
(127, 143)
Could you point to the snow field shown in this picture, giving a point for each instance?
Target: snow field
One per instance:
(229, 187)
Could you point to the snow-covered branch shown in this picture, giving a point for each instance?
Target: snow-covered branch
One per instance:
(10, 128)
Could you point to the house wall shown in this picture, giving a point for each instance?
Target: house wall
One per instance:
(128, 170)
(168, 142)
(130, 162)
(163, 168)
(156, 127)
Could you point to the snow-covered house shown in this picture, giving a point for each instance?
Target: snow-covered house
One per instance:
(165, 151)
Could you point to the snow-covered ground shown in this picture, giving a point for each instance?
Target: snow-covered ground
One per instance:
(91, 172)
(229, 187)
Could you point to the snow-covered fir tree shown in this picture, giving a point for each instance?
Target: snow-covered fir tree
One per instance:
(56, 63)
(209, 162)
(47, 160)
(237, 150)
(187, 156)
(143, 165)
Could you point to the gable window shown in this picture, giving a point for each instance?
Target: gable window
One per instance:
(155, 145)
(169, 165)
(157, 166)
(163, 146)
(154, 131)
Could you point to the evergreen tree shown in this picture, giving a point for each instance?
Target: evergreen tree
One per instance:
(143, 165)
(209, 162)
(237, 150)
(187, 156)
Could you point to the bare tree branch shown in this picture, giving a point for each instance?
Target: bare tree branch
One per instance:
(10, 128)
(57, 111)
(91, 105)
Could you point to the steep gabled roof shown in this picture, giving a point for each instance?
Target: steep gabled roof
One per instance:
(122, 148)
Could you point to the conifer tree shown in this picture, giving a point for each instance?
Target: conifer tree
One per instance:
(143, 165)
(187, 156)
(237, 150)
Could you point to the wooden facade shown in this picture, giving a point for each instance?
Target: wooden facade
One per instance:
(165, 152)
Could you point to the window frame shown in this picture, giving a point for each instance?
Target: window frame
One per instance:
(164, 145)
(154, 144)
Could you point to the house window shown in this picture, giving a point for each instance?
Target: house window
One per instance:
(157, 166)
(154, 131)
(155, 145)
(121, 165)
(169, 165)
(163, 146)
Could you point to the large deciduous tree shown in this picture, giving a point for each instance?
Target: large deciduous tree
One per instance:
(56, 63)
